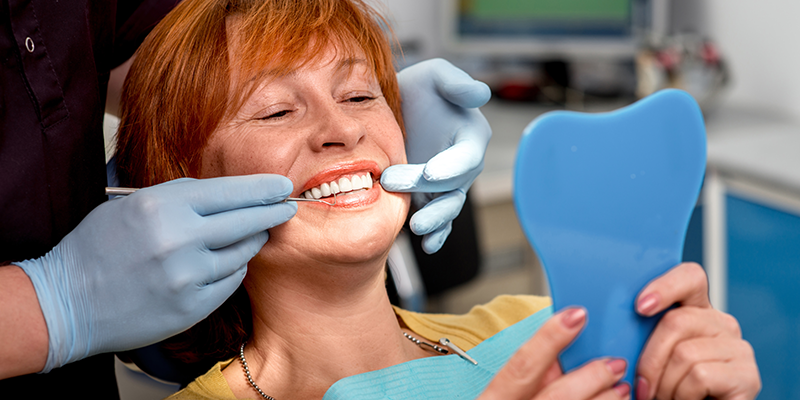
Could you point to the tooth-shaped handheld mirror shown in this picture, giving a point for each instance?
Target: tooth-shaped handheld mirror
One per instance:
(605, 200)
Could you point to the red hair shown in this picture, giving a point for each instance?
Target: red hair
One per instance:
(184, 81)
(189, 75)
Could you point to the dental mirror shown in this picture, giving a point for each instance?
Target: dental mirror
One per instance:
(605, 200)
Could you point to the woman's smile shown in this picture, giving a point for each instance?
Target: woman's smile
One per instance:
(353, 184)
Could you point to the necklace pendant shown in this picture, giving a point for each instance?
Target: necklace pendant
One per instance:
(452, 346)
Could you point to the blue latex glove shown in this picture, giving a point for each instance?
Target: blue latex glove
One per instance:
(446, 140)
(141, 268)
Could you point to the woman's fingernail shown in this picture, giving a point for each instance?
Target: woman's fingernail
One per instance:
(616, 366)
(642, 389)
(648, 303)
(573, 318)
(622, 389)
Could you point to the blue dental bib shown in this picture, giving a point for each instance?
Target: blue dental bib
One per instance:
(443, 377)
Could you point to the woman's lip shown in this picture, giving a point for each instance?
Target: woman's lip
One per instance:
(334, 172)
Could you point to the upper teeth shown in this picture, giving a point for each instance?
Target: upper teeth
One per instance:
(343, 185)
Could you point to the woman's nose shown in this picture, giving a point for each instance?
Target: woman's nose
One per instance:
(337, 129)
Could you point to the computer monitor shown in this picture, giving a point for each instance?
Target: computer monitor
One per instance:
(546, 29)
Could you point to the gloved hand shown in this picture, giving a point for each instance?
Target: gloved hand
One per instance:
(446, 140)
(141, 268)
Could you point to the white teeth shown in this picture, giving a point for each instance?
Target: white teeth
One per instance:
(356, 182)
(343, 185)
(325, 189)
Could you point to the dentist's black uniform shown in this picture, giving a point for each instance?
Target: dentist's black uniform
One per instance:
(56, 57)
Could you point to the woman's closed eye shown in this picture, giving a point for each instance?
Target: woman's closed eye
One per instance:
(360, 99)
(271, 115)
(360, 95)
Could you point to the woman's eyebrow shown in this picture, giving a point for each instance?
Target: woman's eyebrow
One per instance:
(346, 63)
(349, 63)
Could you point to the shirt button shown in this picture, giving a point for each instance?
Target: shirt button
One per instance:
(29, 44)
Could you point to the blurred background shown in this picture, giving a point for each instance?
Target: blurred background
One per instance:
(738, 58)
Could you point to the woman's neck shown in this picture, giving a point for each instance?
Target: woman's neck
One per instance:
(316, 324)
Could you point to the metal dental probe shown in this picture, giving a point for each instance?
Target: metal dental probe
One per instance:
(123, 191)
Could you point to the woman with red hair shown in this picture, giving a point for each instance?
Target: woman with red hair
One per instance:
(307, 90)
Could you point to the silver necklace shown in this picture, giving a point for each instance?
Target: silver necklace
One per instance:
(423, 345)
(250, 378)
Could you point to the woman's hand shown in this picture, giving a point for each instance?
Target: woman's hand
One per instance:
(695, 351)
(534, 373)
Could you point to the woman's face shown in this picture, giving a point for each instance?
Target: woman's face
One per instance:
(320, 126)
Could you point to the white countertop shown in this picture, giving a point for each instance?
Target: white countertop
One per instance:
(755, 146)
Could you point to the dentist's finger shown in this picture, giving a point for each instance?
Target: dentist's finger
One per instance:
(466, 154)
(225, 228)
(233, 258)
(458, 87)
(215, 293)
(411, 178)
(433, 242)
(437, 212)
(403, 178)
(214, 195)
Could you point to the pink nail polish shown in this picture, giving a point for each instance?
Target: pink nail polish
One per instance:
(616, 366)
(648, 303)
(574, 317)
(622, 389)
(642, 389)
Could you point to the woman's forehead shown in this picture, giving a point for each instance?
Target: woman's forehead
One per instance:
(342, 62)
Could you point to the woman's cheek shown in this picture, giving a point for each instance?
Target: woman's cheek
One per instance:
(404, 199)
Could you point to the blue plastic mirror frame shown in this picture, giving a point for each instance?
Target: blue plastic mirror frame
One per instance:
(605, 200)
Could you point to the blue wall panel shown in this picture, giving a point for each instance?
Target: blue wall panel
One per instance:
(693, 244)
(764, 291)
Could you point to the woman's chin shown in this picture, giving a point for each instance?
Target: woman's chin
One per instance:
(348, 237)
(368, 255)
(325, 257)
(351, 242)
